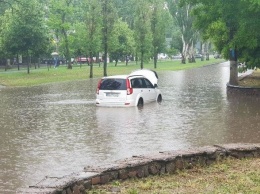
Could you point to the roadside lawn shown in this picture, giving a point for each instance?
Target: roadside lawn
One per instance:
(43, 75)
(225, 177)
(252, 80)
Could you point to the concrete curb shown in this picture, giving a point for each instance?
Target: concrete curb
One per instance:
(249, 91)
(141, 166)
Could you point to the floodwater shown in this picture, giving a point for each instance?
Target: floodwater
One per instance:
(56, 129)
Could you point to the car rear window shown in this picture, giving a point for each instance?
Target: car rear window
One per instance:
(113, 84)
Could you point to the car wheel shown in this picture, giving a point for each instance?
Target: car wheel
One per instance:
(140, 103)
(159, 99)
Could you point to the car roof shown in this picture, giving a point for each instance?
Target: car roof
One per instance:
(149, 74)
(121, 76)
(116, 77)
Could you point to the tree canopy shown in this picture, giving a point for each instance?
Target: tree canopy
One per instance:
(116, 28)
(25, 32)
(230, 24)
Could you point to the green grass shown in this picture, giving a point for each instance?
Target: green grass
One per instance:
(225, 177)
(252, 80)
(43, 75)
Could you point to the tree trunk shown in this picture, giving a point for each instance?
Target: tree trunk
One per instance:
(142, 59)
(155, 58)
(105, 61)
(68, 53)
(184, 50)
(183, 59)
(67, 50)
(91, 66)
(207, 56)
(233, 79)
(28, 63)
(105, 36)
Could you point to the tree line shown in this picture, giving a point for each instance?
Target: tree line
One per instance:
(121, 28)
(113, 28)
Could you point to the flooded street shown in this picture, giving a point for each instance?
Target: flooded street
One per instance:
(56, 129)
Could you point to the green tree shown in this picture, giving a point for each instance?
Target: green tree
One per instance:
(4, 5)
(159, 22)
(77, 39)
(109, 16)
(61, 23)
(232, 26)
(125, 11)
(93, 24)
(122, 41)
(25, 30)
(176, 44)
(142, 26)
(247, 39)
(184, 21)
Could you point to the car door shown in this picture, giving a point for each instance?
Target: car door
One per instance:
(148, 90)
(137, 88)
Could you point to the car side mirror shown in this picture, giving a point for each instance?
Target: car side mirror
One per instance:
(155, 85)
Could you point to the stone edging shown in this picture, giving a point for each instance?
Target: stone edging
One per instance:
(250, 91)
(141, 166)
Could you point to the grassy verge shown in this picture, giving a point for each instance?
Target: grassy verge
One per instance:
(43, 75)
(228, 176)
(252, 80)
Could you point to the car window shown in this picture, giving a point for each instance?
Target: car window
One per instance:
(113, 84)
(136, 83)
(147, 83)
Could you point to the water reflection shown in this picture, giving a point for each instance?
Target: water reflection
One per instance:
(56, 129)
(242, 118)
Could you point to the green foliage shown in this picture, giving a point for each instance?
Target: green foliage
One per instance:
(230, 24)
(4, 5)
(93, 25)
(185, 21)
(159, 21)
(149, 20)
(122, 41)
(24, 29)
(109, 16)
(142, 26)
(125, 11)
(177, 44)
(76, 27)
(78, 47)
(60, 22)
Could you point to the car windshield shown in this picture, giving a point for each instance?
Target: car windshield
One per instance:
(113, 84)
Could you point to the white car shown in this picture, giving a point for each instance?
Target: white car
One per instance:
(136, 89)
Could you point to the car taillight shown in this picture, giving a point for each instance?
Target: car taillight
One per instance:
(128, 87)
(99, 83)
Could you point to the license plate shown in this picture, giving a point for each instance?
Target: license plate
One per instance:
(112, 94)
